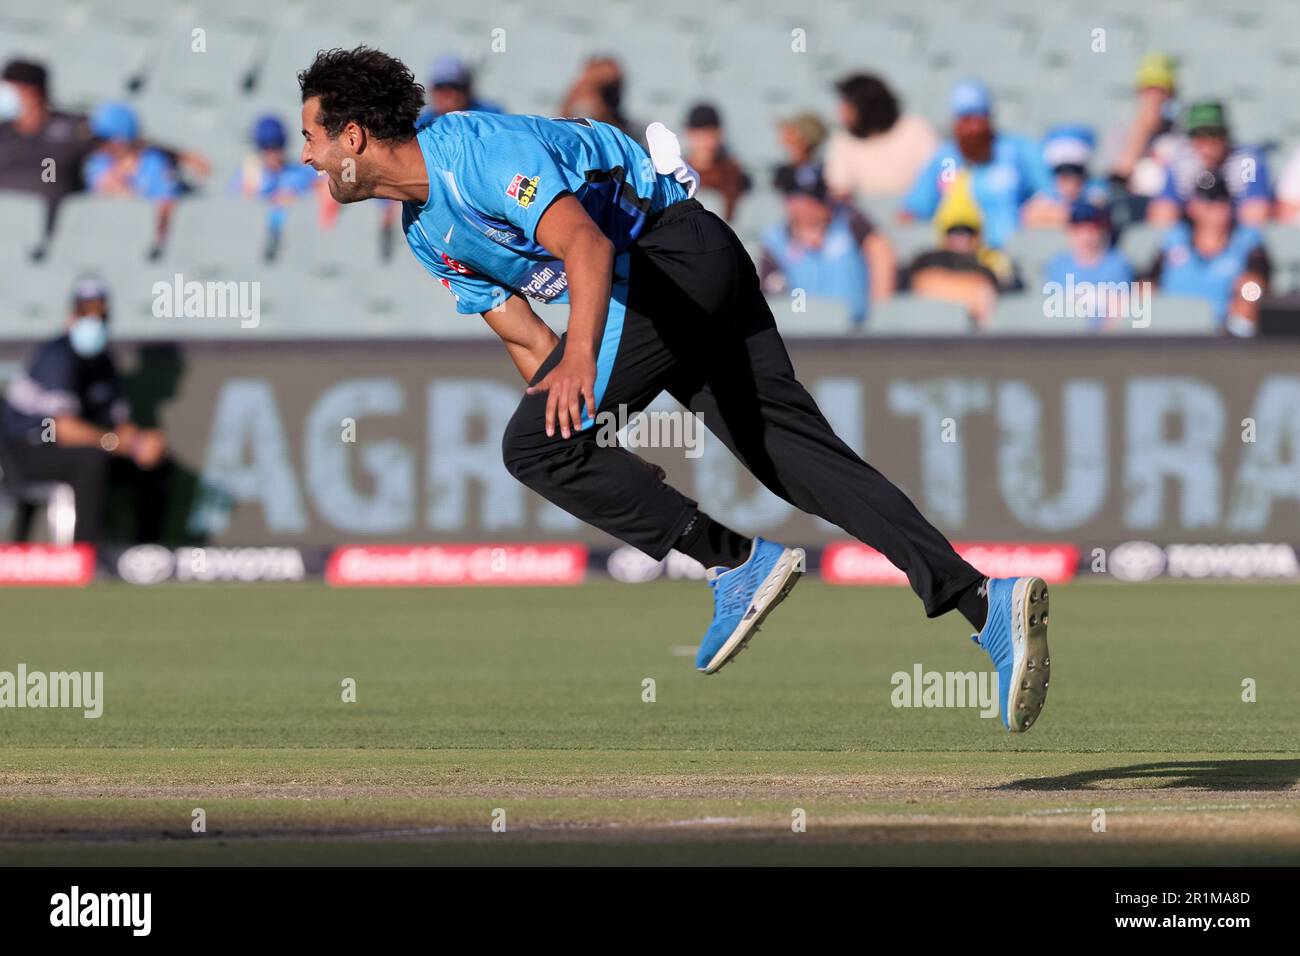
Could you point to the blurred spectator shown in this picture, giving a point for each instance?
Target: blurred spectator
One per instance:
(1067, 151)
(38, 142)
(1208, 147)
(880, 150)
(1138, 152)
(597, 94)
(64, 419)
(707, 151)
(123, 164)
(1005, 169)
(269, 174)
(1288, 190)
(1213, 257)
(801, 137)
(1090, 259)
(451, 88)
(825, 248)
(963, 269)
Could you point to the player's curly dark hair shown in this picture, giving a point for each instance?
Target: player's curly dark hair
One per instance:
(365, 86)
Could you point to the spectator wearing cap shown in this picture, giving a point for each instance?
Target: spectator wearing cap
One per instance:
(825, 248)
(801, 138)
(124, 165)
(1136, 153)
(879, 150)
(64, 419)
(34, 135)
(1005, 169)
(1067, 151)
(1208, 148)
(1090, 262)
(1211, 256)
(706, 151)
(272, 176)
(962, 269)
(451, 88)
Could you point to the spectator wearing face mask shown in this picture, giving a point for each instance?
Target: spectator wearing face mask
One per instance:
(879, 150)
(1005, 169)
(826, 248)
(65, 419)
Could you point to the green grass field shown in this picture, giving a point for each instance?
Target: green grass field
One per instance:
(530, 701)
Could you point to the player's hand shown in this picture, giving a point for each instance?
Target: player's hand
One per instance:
(568, 385)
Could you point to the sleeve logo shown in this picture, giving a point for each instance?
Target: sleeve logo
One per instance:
(522, 189)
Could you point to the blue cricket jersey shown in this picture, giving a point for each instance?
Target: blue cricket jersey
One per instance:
(491, 177)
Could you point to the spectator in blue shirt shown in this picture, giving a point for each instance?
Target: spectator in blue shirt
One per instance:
(1067, 152)
(1208, 148)
(1091, 261)
(1006, 169)
(826, 248)
(270, 175)
(124, 165)
(1211, 256)
(451, 88)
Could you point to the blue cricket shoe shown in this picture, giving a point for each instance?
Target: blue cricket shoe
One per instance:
(744, 596)
(1015, 636)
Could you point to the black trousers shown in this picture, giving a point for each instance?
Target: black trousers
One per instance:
(689, 318)
(90, 471)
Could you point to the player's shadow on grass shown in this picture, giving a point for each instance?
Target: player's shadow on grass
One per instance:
(1174, 774)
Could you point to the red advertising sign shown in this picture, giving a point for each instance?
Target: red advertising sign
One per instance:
(47, 565)
(849, 562)
(358, 565)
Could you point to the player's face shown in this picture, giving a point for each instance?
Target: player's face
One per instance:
(338, 157)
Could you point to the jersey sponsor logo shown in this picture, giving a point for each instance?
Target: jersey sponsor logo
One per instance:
(523, 189)
(455, 266)
(545, 283)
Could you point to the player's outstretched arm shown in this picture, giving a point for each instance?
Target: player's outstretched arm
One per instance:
(526, 337)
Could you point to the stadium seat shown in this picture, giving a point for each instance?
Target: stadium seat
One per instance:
(23, 215)
(1140, 244)
(93, 230)
(1023, 314)
(1032, 249)
(906, 315)
(1178, 315)
(819, 317)
(909, 239)
(1283, 244)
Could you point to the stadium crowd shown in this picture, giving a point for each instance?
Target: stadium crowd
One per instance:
(978, 188)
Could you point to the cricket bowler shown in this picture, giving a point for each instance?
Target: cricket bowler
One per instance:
(662, 297)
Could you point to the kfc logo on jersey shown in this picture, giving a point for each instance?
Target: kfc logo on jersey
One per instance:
(522, 189)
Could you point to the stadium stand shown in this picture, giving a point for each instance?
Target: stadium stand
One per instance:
(199, 73)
